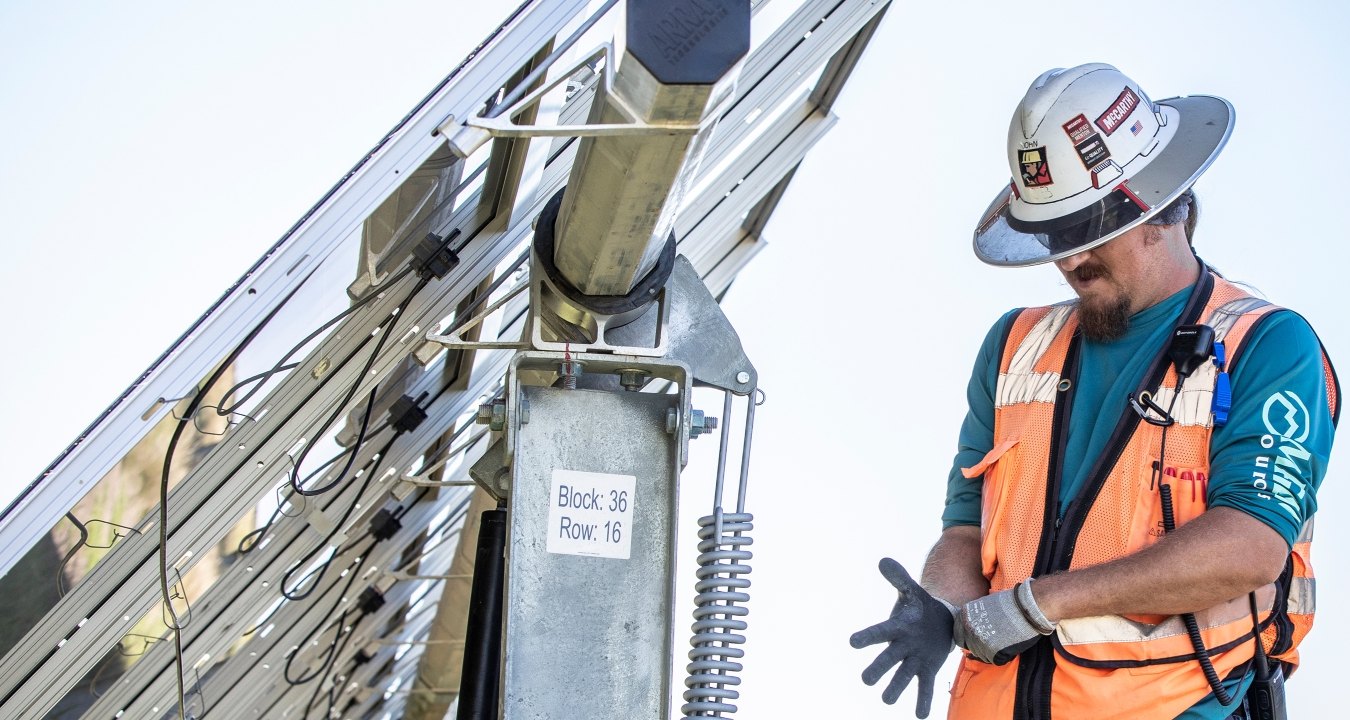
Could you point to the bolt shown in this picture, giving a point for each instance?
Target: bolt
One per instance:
(672, 420)
(569, 371)
(484, 414)
(701, 424)
(742, 377)
(632, 380)
(320, 369)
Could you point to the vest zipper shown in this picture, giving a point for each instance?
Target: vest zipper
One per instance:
(1036, 669)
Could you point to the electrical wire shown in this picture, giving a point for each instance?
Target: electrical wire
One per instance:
(342, 635)
(379, 457)
(175, 623)
(83, 542)
(249, 542)
(340, 643)
(196, 404)
(197, 420)
(297, 485)
(330, 653)
(261, 379)
(384, 333)
(293, 594)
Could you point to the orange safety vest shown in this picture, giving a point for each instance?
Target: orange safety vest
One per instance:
(1113, 667)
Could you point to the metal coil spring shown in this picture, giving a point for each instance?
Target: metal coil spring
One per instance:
(723, 564)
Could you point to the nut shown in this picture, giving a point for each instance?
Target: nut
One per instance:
(633, 379)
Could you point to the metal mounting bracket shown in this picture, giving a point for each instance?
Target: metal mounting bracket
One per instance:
(476, 131)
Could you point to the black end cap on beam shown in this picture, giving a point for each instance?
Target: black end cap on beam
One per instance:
(688, 42)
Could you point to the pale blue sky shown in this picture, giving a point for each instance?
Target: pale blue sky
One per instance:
(154, 149)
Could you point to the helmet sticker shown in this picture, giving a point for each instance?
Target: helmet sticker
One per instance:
(1035, 170)
(1125, 104)
(1088, 142)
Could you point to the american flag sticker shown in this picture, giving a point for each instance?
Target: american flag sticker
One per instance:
(1136, 127)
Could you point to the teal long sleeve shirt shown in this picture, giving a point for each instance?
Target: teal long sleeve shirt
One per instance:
(1267, 461)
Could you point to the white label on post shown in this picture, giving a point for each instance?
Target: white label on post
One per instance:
(591, 514)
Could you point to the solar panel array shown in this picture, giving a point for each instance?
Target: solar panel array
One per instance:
(302, 376)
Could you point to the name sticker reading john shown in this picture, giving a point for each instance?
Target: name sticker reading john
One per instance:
(591, 514)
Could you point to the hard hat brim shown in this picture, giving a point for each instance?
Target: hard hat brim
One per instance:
(1203, 128)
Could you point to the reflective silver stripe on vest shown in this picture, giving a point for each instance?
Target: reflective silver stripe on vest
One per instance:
(1196, 405)
(1029, 388)
(1305, 533)
(1119, 629)
(1226, 315)
(1303, 596)
(1039, 339)
(1021, 384)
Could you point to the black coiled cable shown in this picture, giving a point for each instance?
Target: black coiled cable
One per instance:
(1169, 524)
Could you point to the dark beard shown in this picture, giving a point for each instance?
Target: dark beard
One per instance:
(1104, 322)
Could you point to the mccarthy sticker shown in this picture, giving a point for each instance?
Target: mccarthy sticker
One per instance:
(1035, 170)
(1125, 104)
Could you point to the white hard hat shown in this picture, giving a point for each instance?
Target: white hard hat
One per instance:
(1091, 158)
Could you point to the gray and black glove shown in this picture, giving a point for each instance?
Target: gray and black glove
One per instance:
(918, 636)
(999, 627)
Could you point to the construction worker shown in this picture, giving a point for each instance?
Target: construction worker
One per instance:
(1132, 497)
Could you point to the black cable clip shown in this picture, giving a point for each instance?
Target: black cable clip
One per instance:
(433, 258)
(405, 415)
(369, 601)
(383, 525)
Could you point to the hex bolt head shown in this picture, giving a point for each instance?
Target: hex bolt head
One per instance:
(672, 420)
(498, 421)
(701, 424)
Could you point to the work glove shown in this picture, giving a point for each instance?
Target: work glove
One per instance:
(918, 636)
(997, 628)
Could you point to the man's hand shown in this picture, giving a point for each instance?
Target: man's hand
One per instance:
(918, 636)
(997, 628)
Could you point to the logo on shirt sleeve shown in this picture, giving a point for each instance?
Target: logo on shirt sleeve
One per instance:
(1286, 416)
(1283, 476)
